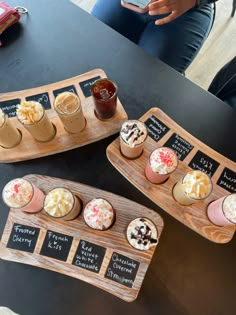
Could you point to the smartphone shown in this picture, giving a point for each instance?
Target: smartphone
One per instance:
(140, 6)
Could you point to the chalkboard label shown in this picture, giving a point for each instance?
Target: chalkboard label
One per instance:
(181, 147)
(122, 269)
(89, 256)
(204, 163)
(86, 85)
(156, 128)
(42, 98)
(9, 107)
(227, 180)
(23, 237)
(70, 88)
(56, 245)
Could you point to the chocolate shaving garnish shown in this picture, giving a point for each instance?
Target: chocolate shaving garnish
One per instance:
(144, 234)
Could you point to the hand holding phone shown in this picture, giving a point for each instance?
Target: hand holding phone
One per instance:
(140, 6)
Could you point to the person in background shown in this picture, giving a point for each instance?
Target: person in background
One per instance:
(171, 30)
(224, 83)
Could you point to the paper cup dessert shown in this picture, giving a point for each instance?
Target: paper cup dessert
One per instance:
(34, 118)
(99, 214)
(10, 136)
(194, 186)
(61, 203)
(222, 212)
(142, 234)
(133, 135)
(21, 194)
(161, 163)
(69, 110)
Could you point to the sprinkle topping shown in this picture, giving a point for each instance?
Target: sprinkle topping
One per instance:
(17, 193)
(163, 160)
(99, 214)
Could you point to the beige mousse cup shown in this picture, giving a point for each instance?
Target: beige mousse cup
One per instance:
(69, 110)
(222, 211)
(33, 117)
(133, 135)
(10, 136)
(194, 186)
(23, 195)
(161, 163)
(61, 203)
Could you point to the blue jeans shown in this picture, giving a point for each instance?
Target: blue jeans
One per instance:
(175, 43)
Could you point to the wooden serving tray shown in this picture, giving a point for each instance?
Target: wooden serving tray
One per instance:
(113, 241)
(95, 129)
(162, 131)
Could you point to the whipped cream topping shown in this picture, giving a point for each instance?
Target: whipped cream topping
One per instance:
(17, 193)
(133, 132)
(29, 112)
(197, 185)
(99, 214)
(2, 118)
(59, 202)
(163, 160)
(229, 208)
(67, 103)
(142, 234)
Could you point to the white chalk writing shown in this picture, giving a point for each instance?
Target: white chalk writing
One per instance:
(120, 279)
(20, 239)
(19, 229)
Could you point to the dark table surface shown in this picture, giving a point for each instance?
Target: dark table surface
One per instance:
(188, 273)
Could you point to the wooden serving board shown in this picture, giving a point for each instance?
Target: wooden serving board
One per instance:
(95, 129)
(193, 154)
(112, 242)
